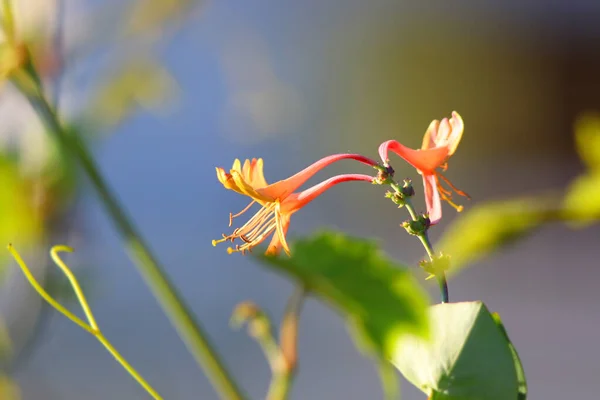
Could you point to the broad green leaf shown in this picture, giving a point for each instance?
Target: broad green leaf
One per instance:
(487, 227)
(522, 382)
(582, 202)
(379, 298)
(587, 139)
(468, 358)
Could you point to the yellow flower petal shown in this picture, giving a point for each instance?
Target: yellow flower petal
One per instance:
(237, 165)
(430, 135)
(247, 189)
(281, 229)
(246, 171)
(458, 128)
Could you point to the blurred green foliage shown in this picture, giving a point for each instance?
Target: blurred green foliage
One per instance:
(37, 195)
(5, 342)
(582, 202)
(21, 221)
(149, 16)
(9, 389)
(468, 358)
(379, 298)
(140, 82)
(587, 140)
(583, 199)
(489, 226)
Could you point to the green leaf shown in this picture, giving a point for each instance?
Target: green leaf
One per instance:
(582, 202)
(522, 382)
(587, 139)
(380, 299)
(486, 228)
(468, 358)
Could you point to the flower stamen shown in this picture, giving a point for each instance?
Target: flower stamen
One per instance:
(255, 231)
(446, 194)
(457, 190)
(215, 242)
(443, 190)
(447, 199)
(232, 216)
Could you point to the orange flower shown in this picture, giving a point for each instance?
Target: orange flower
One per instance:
(277, 201)
(439, 143)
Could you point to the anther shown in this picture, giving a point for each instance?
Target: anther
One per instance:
(458, 208)
(215, 242)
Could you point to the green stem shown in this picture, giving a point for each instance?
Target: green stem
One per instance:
(280, 387)
(441, 275)
(91, 326)
(389, 383)
(284, 369)
(163, 290)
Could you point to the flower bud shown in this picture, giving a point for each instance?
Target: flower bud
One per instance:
(384, 175)
(417, 227)
(407, 188)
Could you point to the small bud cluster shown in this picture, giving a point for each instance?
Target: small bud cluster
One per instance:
(401, 194)
(385, 175)
(407, 188)
(418, 226)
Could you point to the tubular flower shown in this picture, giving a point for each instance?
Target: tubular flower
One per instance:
(439, 143)
(277, 201)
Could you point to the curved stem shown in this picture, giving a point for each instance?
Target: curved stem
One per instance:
(74, 283)
(91, 327)
(163, 290)
(42, 292)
